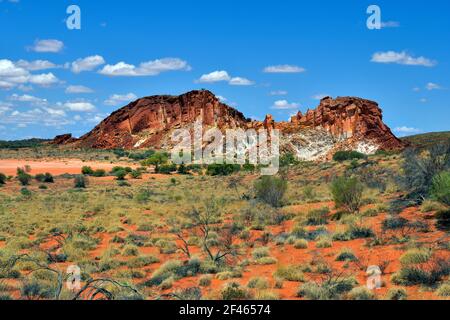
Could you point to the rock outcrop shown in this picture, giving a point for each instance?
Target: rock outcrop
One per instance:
(344, 123)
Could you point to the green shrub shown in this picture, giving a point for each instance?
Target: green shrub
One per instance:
(234, 291)
(44, 178)
(290, 273)
(26, 193)
(324, 242)
(331, 289)
(415, 256)
(440, 189)
(130, 250)
(361, 293)
(394, 222)
(99, 173)
(271, 190)
(205, 280)
(258, 283)
(317, 217)
(444, 290)
(24, 178)
(87, 170)
(265, 261)
(396, 294)
(120, 174)
(347, 193)
(222, 169)
(346, 254)
(348, 155)
(136, 174)
(260, 252)
(167, 169)
(301, 244)
(80, 182)
(443, 220)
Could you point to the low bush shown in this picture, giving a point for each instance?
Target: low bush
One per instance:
(290, 273)
(444, 290)
(234, 291)
(317, 217)
(80, 182)
(348, 155)
(440, 189)
(332, 289)
(346, 254)
(24, 178)
(99, 173)
(3, 178)
(301, 244)
(87, 170)
(347, 193)
(397, 294)
(258, 283)
(361, 293)
(205, 280)
(44, 178)
(271, 190)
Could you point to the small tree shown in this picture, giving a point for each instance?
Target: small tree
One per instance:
(347, 193)
(120, 175)
(271, 190)
(80, 182)
(45, 178)
(156, 160)
(24, 178)
(87, 170)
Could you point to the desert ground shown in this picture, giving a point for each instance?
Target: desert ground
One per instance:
(198, 235)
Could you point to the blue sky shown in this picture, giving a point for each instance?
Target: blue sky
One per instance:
(262, 57)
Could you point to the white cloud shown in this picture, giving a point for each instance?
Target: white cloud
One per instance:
(43, 79)
(432, 86)
(36, 65)
(219, 76)
(320, 96)
(402, 58)
(238, 81)
(285, 68)
(214, 76)
(222, 99)
(117, 99)
(285, 105)
(78, 89)
(406, 130)
(28, 99)
(55, 112)
(87, 64)
(80, 106)
(49, 45)
(390, 24)
(150, 68)
(278, 93)
(12, 76)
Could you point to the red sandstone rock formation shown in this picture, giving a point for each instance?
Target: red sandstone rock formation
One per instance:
(345, 122)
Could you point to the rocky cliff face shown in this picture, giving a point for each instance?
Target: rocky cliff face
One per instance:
(345, 123)
(148, 122)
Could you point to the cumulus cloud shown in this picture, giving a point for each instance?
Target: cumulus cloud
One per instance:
(78, 89)
(239, 81)
(222, 75)
(36, 65)
(285, 105)
(12, 75)
(284, 68)
(150, 68)
(79, 106)
(87, 64)
(117, 99)
(215, 76)
(49, 45)
(28, 99)
(49, 117)
(402, 58)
